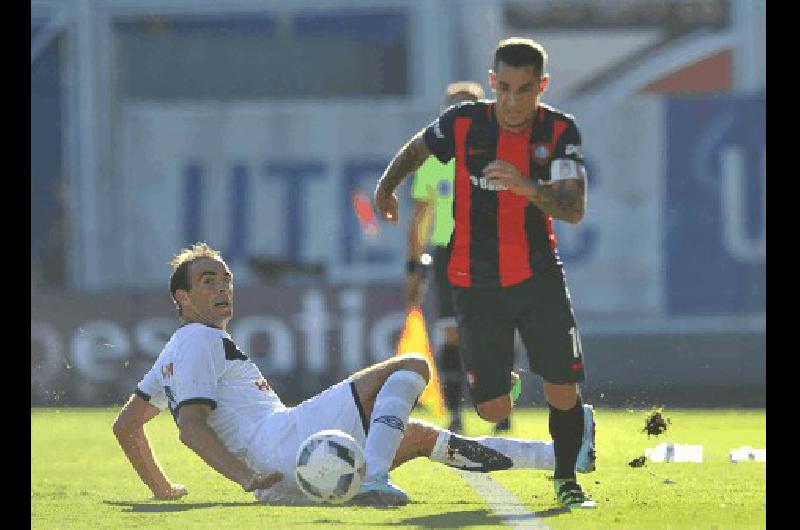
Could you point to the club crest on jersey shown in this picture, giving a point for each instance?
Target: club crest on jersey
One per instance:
(540, 153)
(472, 380)
(444, 188)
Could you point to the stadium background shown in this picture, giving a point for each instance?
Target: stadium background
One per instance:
(250, 124)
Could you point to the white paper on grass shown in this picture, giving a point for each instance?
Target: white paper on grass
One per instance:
(670, 452)
(745, 453)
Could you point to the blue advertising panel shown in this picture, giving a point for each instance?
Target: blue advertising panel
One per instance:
(715, 212)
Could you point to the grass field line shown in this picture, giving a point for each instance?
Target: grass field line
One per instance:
(502, 502)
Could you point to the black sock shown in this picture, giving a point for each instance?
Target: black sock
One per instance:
(566, 428)
(452, 378)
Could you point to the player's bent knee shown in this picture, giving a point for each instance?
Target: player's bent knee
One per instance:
(495, 410)
(417, 363)
(562, 397)
(562, 404)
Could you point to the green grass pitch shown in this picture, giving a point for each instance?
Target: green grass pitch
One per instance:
(81, 479)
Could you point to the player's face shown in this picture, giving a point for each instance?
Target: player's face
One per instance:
(210, 298)
(518, 89)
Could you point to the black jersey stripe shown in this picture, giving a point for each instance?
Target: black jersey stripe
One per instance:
(513, 247)
(458, 269)
(232, 352)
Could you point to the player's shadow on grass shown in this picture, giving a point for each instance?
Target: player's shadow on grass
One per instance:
(453, 520)
(165, 507)
(472, 518)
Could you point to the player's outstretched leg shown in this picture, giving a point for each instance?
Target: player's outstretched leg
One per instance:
(486, 453)
(395, 384)
(482, 454)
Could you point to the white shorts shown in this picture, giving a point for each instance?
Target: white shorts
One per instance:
(278, 438)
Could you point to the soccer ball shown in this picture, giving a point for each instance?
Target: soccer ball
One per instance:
(330, 466)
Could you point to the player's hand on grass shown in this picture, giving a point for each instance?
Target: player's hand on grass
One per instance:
(260, 481)
(175, 491)
(505, 174)
(386, 205)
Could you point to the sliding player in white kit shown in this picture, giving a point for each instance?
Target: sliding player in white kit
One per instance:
(228, 414)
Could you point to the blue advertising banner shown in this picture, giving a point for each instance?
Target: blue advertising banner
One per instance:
(715, 216)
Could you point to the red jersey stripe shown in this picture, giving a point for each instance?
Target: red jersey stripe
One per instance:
(458, 267)
(512, 237)
(558, 129)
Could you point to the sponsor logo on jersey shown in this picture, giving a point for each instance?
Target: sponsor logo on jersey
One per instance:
(167, 370)
(573, 149)
(484, 184)
(474, 151)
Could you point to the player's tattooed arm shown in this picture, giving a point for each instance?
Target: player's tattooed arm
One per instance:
(410, 157)
(563, 199)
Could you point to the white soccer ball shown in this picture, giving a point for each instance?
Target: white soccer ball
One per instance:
(330, 466)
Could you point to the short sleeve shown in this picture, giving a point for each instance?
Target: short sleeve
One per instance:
(196, 370)
(438, 136)
(567, 160)
(569, 144)
(151, 390)
(424, 179)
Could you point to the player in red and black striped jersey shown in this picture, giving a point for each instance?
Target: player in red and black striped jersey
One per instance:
(518, 166)
(501, 237)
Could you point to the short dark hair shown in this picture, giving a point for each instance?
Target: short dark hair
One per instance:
(517, 52)
(180, 267)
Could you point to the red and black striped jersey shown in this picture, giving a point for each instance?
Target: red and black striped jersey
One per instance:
(500, 238)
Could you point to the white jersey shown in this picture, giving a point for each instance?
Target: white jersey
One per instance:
(201, 364)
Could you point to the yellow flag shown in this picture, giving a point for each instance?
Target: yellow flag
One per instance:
(414, 339)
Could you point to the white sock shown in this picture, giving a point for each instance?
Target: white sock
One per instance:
(389, 418)
(470, 453)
